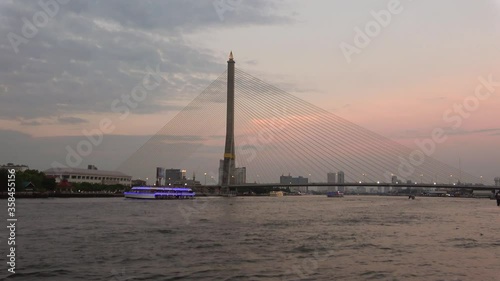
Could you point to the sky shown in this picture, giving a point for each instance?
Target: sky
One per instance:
(398, 68)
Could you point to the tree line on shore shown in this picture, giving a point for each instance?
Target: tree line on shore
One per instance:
(42, 183)
(39, 180)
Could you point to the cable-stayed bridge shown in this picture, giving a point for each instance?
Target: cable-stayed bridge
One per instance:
(272, 133)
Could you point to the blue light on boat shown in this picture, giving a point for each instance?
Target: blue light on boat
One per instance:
(146, 192)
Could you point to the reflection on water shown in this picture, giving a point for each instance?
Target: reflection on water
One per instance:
(259, 238)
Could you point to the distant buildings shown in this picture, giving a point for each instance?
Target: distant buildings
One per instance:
(166, 177)
(240, 175)
(361, 189)
(160, 175)
(175, 174)
(181, 182)
(291, 180)
(295, 181)
(341, 179)
(497, 181)
(90, 175)
(173, 177)
(18, 168)
(236, 175)
(330, 178)
(394, 180)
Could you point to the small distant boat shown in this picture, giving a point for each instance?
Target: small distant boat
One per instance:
(335, 194)
(147, 192)
(276, 193)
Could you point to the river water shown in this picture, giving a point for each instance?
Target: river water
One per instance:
(257, 238)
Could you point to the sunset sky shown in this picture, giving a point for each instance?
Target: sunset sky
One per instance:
(71, 73)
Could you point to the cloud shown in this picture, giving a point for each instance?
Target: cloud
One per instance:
(91, 53)
(251, 62)
(159, 15)
(31, 123)
(71, 120)
(39, 153)
(432, 99)
(177, 138)
(472, 132)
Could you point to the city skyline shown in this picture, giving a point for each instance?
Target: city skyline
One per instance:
(59, 86)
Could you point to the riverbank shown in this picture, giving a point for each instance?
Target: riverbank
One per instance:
(34, 195)
(41, 195)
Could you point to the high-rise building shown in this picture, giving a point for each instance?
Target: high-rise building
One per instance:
(240, 175)
(173, 175)
(237, 175)
(394, 180)
(341, 179)
(160, 175)
(330, 178)
(291, 180)
(295, 181)
(497, 181)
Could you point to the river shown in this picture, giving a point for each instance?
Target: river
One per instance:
(257, 238)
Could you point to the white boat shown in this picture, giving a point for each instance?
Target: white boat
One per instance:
(147, 192)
